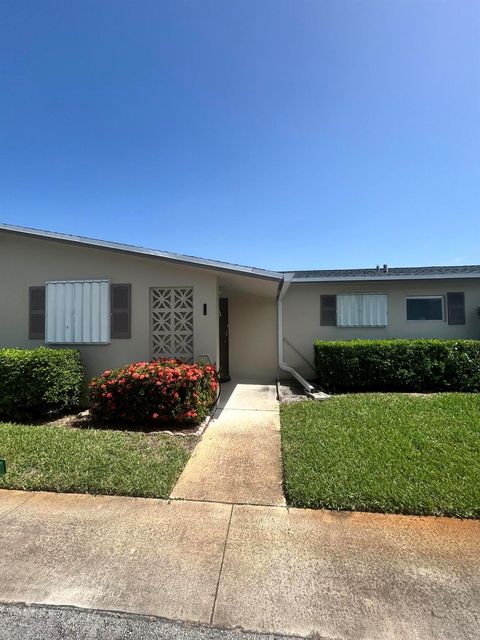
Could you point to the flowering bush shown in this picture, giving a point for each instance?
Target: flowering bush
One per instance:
(159, 392)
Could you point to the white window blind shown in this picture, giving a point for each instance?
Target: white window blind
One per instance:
(78, 311)
(362, 310)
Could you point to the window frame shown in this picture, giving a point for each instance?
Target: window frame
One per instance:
(440, 297)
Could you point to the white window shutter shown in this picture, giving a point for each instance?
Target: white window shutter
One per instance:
(86, 312)
(78, 312)
(374, 310)
(362, 310)
(349, 310)
(78, 302)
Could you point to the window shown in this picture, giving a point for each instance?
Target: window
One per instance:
(78, 312)
(425, 308)
(362, 310)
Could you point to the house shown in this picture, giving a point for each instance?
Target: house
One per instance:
(118, 303)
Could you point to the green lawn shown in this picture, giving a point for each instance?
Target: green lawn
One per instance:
(394, 453)
(54, 458)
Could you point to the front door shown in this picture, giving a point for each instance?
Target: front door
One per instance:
(223, 334)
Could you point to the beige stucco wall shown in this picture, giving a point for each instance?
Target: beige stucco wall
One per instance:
(302, 315)
(25, 262)
(253, 337)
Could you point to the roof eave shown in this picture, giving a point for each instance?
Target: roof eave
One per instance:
(141, 251)
(436, 276)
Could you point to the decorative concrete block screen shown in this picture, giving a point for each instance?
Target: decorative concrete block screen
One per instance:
(172, 322)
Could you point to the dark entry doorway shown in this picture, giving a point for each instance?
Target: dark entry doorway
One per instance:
(223, 335)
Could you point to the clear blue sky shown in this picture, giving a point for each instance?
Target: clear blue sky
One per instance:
(283, 134)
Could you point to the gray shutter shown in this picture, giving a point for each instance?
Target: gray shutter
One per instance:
(456, 308)
(328, 311)
(120, 310)
(36, 313)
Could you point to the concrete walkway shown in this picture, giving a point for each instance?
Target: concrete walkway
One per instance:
(264, 569)
(238, 459)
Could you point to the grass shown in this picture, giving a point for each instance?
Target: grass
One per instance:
(394, 453)
(53, 458)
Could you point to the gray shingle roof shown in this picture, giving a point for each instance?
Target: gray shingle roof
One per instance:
(392, 273)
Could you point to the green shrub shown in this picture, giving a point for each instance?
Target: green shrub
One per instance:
(39, 382)
(162, 392)
(398, 365)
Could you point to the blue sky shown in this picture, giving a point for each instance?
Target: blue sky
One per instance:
(283, 134)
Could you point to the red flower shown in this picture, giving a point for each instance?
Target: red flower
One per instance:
(185, 391)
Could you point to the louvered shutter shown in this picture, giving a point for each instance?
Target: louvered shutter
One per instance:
(36, 313)
(120, 310)
(328, 311)
(456, 308)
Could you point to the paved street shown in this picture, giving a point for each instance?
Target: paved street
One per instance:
(21, 622)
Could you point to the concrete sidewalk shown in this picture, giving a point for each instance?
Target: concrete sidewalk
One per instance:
(238, 459)
(264, 569)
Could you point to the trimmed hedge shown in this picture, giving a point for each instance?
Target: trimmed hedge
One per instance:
(39, 382)
(161, 392)
(398, 365)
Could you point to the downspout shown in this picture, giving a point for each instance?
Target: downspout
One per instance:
(287, 279)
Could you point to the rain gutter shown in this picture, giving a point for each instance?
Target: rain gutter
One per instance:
(287, 279)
